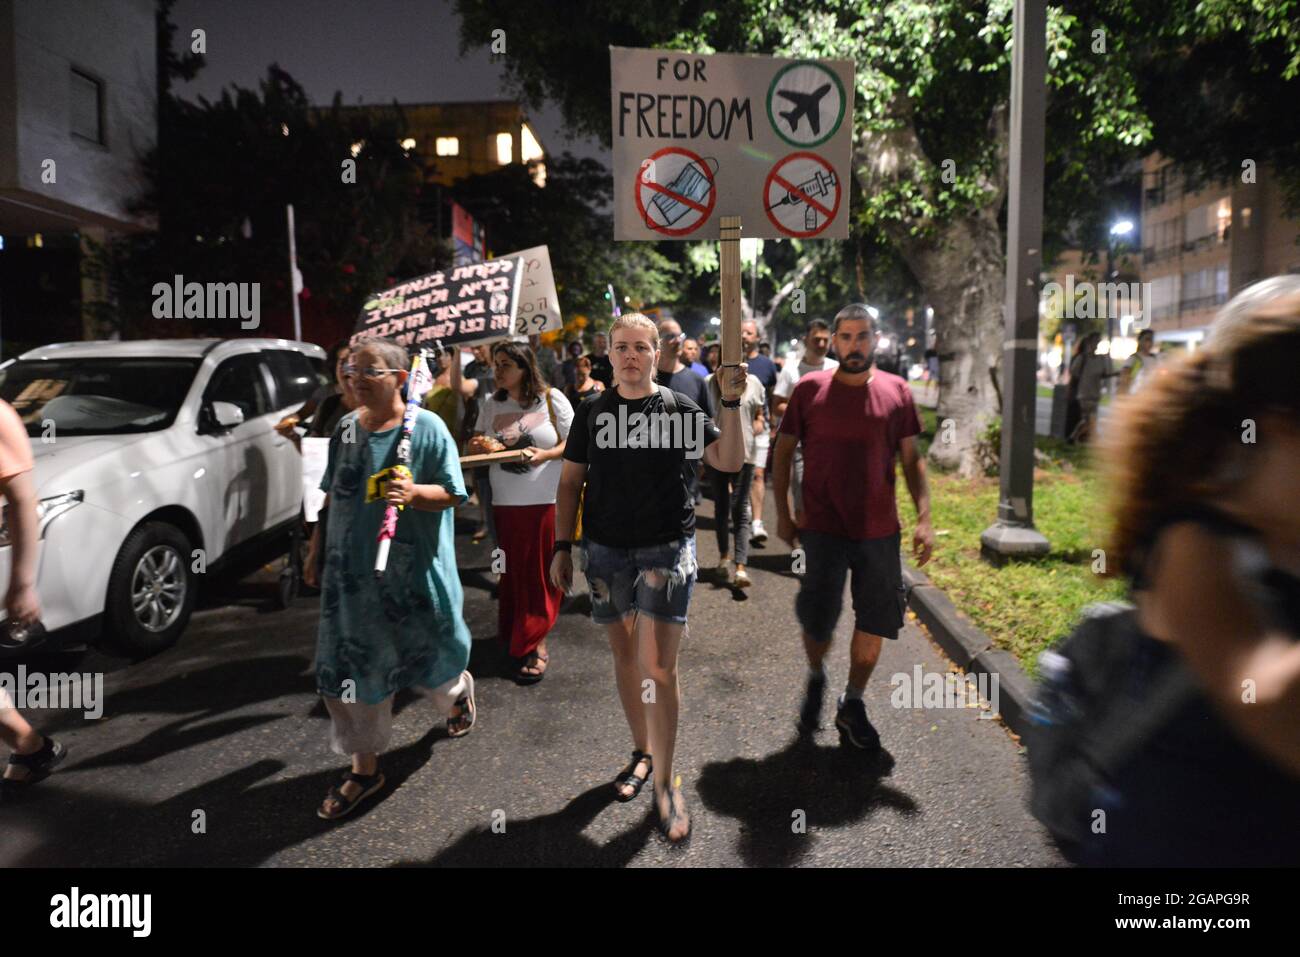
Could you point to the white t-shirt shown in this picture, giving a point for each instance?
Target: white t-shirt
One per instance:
(1142, 369)
(751, 403)
(519, 428)
(791, 372)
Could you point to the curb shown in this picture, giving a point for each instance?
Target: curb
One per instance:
(970, 648)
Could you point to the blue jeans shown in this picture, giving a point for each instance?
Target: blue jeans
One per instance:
(655, 580)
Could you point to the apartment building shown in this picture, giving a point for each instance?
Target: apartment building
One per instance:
(1202, 243)
(78, 109)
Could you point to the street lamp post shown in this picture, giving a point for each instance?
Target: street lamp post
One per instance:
(1122, 228)
(1013, 534)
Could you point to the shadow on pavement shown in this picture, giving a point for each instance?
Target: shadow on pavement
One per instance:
(206, 693)
(551, 840)
(247, 822)
(833, 787)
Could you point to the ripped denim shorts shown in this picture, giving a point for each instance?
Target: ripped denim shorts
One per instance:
(655, 580)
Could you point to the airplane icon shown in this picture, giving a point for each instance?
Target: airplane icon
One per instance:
(805, 104)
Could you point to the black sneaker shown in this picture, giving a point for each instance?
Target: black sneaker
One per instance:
(854, 728)
(810, 715)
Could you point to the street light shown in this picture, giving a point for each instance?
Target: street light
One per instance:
(1121, 228)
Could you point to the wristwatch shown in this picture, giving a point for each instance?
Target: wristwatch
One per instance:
(731, 405)
(562, 545)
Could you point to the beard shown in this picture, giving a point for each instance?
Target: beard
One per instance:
(855, 362)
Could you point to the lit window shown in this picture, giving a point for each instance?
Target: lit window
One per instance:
(528, 143)
(538, 172)
(505, 148)
(87, 107)
(408, 143)
(355, 148)
(284, 128)
(447, 146)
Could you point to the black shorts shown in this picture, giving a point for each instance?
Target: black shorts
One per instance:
(879, 598)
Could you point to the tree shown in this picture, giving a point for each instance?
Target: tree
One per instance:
(930, 125)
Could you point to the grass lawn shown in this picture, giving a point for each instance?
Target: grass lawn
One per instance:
(1024, 606)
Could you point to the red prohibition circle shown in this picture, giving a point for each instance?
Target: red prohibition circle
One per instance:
(708, 209)
(839, 192)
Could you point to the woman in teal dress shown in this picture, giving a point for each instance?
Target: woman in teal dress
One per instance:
(403, 630)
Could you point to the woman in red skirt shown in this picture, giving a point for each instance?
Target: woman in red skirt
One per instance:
(525, 413)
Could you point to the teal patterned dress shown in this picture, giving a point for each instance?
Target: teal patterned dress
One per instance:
(405, 629)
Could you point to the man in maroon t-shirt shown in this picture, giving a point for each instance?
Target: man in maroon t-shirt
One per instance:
(852, 423)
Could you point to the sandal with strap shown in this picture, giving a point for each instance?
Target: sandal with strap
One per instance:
(468, 711)
(629, 778)
(370, 783)
(532, 660)
(666, 823)
(38, 764)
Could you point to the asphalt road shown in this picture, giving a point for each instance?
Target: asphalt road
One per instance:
(227, 724)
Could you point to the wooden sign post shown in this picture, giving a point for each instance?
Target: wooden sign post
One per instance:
(729, 260)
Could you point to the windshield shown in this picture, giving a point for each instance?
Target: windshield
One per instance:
(96, 396)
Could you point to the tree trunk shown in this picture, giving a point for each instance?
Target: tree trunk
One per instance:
(962, 272)
(959, 263)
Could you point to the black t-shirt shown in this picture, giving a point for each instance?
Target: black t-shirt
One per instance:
(637, 496)
(764, 369)
(602, 369)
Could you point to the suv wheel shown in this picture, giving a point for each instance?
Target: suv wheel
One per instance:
(151, 591)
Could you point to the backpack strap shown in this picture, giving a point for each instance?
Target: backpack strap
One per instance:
(550, 410)
(669, 397)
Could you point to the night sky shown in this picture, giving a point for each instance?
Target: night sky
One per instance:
(374, 51)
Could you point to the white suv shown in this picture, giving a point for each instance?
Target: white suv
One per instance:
(155, 460)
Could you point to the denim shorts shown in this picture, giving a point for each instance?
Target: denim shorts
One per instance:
(876, 570)
(655, 580)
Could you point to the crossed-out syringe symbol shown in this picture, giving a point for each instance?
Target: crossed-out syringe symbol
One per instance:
(818, 185)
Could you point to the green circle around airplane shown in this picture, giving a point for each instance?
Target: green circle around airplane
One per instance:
(771, 94)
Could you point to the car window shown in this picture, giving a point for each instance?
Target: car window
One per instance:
(240, 380)
(295, 376)
(96, 396)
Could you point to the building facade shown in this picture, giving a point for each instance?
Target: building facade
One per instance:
(78, 110)
(1202, 243)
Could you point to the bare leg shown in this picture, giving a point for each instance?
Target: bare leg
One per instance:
(627, 675)
(19, 737)
(756, 492)
(815, 650)
(660, 641)
(864, 652)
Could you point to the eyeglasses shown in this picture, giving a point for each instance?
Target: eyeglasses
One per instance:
(351, 371)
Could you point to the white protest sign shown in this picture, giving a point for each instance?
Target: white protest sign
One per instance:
(539, 305)
(702, 136)
(315, 457)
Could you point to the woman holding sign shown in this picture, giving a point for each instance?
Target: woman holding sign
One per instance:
(525, 413)
(633, 448)
(404, 629)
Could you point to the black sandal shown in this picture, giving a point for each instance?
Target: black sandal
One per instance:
(523, 677)
(666, 824)
(39, 764)
(370, 783)
(629, 778)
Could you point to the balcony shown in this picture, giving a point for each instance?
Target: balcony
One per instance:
(1202, 302)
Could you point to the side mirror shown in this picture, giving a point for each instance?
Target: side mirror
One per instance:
(227, 415)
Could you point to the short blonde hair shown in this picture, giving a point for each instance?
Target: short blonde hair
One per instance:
(635, 320)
